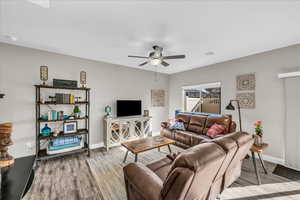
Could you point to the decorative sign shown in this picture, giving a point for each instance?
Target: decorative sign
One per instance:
(245, 82)
(158, 97)
(247, 100)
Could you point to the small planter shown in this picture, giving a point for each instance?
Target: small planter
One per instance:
(258, 140)
(259, 133)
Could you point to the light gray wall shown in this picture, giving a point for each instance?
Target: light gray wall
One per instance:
(19, 71)
(270, 105)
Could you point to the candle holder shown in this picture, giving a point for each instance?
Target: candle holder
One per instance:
(44, 74)
(83, 78)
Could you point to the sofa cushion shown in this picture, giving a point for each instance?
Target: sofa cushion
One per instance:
(197, 123)
(215, 130)
(161, 167)
(224, 121)
(177, 126)
(185, 118)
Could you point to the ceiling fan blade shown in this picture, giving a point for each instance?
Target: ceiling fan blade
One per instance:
(165, 64)
(144, 63)
(137, 56)
(174, 57)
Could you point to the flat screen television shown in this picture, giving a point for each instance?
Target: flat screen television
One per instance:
(127, 108)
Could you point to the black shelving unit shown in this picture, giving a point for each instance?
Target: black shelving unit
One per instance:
(41, 153)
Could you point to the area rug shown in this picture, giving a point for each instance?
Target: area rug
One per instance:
(66, 178)
(287, 173)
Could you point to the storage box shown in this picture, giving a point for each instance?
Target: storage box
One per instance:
(64, 83)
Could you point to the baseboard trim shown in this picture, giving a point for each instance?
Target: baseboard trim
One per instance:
(272, 159)
(97, 146)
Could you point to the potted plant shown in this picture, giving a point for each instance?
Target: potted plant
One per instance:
(258, 132)
(76, 111)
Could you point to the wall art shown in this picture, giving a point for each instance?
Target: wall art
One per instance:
(158, 97)
(246, 99)
(245, 82)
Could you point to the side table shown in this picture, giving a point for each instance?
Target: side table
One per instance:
(258, 150)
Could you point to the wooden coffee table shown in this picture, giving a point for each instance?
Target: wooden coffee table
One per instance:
(146, 144)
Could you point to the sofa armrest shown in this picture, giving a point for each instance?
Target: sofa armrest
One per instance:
(173, 156)
(164, 124)
(232, 127)
(141, 182)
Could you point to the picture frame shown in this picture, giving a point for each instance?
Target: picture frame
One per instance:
(70, 127)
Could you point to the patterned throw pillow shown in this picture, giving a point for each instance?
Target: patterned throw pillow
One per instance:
(177, 126)
(215, 130)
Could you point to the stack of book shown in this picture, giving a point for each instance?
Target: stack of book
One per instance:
(55, 115)
(65, 98)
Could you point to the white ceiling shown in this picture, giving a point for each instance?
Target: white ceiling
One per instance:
(110, 30)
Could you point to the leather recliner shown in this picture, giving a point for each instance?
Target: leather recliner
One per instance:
(198, 173)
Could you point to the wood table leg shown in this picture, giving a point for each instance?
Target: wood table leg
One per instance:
(125, 158)
(255, 167)
(136, 158)
(169, 148)
(262, 163)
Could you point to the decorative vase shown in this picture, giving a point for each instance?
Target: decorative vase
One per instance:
(258, 140)
(76, 111)
(46, 130)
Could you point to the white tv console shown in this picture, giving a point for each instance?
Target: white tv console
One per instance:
(122, 129)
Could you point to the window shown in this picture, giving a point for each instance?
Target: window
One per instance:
(202, 98)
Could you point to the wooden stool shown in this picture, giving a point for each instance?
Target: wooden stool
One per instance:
(258, 149)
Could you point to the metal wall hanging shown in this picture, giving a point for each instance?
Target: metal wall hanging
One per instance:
(245, 82)
(246, 99)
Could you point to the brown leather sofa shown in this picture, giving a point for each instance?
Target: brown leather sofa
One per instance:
(200, 172)
(196, 127)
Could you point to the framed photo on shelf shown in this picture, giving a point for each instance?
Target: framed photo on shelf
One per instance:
(70, 127)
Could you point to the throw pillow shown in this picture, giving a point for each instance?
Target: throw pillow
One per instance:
(215, 130)
(177, 126)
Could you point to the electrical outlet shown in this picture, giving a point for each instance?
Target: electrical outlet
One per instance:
(29, 145)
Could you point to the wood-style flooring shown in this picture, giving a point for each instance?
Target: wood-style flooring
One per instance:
(100, 177)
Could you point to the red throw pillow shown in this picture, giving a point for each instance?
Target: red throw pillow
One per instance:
(215, 130)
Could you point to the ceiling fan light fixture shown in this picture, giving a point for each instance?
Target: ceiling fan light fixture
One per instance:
(155, 61)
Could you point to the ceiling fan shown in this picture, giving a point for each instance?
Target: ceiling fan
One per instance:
(156, 57)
